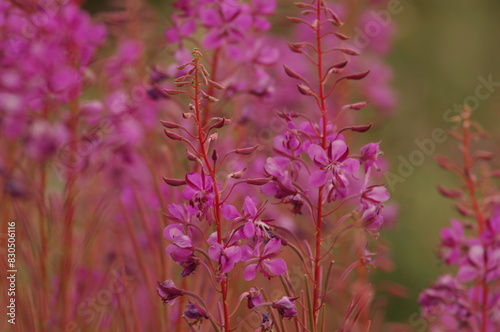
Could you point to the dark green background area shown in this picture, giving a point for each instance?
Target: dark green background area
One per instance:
(440, 49)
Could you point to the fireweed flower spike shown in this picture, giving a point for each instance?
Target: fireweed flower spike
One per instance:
(316, 172)
(208, 236)
(467, 302)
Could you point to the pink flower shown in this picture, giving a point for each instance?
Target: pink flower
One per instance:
(199, 192)
(168, 291)
(227, 255)
(453, 243)
(334, 167)
(182, 248)
(268, 266)
(195, 311)
(286, 307)
(369, 155)
(254, 298)
(253, 226)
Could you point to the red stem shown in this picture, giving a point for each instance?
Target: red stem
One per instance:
(319, 218)
(471, 187)
(212, 173)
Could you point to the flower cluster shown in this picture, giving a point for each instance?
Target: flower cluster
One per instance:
(467, 301)
(239, 236)
(44, 66)
(313, 170)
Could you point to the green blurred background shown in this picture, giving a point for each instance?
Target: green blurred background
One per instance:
(440, 49)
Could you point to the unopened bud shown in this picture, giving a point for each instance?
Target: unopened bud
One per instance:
(238, 175)
(304, 90)
(291, 73)
(361, 129)
(174, 182)
(450, 193)
(173, 136)
(258, 181)
(246, 151)
(356, 106)
(168, 124)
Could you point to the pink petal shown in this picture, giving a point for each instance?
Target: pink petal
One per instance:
(318, 178)
(229, 212)
(318, 155)
(275, 266)
(337, 150)
(271, 247)
(250, 206)
(250, 272)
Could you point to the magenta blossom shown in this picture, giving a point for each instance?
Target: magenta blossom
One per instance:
(253, 226)
(334, 167)
(168, 291)
(369, 155)
(286, 307)
(227, 255)
(195, 311)
(254, 297)
(268, 266)
(182, 248)
(199, 192)
(480, 262)
(453, 243)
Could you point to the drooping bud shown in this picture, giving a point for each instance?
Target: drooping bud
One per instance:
(304, 90)
(168, 291)
(349, 51)
(215, 156)
(174, 182)
(484, 155)
(259, 181)
(341, 36)
(246, 151)
(358, 76)
(254, 298)
(173, 136)
(169, 125)
(237, 175)
(356, 106)
(291, 73)
(286, 307)
(444, 162)
(362, 128)
(450, 193)
(173, 92)
(216, 85)
(190, 156)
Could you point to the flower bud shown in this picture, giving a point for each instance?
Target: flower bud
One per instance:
(174, 182)
(361, 129)
(258, 181)
(173, 136)
(246, 151)
(169, 125)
